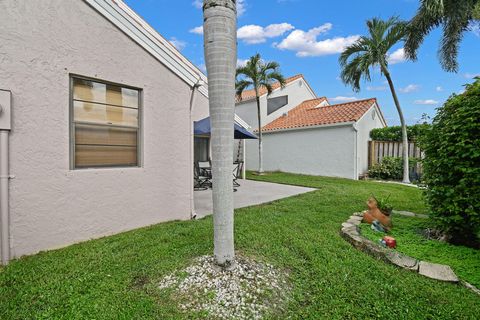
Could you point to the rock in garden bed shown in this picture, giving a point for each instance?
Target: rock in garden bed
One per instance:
(248, 290)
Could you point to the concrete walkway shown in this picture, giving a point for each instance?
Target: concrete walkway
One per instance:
(248, 194)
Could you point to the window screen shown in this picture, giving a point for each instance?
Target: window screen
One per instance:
(273, 104)
(105, 124)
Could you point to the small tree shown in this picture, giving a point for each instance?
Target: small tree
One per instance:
(371, 51)
(452, 167)
(258, 74)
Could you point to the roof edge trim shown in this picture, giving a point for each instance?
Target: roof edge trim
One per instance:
(123, 17)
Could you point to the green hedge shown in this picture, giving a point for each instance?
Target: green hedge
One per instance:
(395, 133)
(452, 166)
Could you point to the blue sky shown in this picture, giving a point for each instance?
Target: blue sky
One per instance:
(305, 36)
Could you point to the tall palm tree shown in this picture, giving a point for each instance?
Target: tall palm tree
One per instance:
(258, 74)
(220, 45)
(456, 17)
(372, 52)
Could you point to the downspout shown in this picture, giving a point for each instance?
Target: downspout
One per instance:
(355, 167)
(195, 87)
(5, 126)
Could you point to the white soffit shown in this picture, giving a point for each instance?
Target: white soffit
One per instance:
(141, 32)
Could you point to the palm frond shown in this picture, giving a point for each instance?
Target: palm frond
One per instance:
(356, 48)
(240, 86)
(269, 66)
(454, 15)
(395, 34)
(370, 51)
(258, 73)
(356, 69)
(277, 76)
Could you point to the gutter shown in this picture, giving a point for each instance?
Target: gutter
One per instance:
(195, 87)
(5, 127)
(340, 124)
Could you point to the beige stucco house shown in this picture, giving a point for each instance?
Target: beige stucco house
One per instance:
(303, 133)
(101, 137)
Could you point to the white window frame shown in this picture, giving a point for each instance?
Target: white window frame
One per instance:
(71, 124)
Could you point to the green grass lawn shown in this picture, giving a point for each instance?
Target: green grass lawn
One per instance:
(407, 231)
(116, 277)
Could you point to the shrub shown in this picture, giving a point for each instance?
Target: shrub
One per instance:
(390, 168)
(395, 133)
(452, 166)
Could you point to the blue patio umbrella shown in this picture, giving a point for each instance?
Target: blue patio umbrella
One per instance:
(203, 128)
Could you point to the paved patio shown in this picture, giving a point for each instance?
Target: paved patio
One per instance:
(248, 194)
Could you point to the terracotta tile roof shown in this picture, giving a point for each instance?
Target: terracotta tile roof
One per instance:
(250, 94)
(307, 114)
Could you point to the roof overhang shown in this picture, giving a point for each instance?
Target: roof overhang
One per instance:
(130, 23)
(322, 126)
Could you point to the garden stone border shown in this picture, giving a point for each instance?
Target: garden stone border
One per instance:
(350, 231)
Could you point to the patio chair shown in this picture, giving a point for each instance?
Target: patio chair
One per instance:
(237, 173)
(202, 178)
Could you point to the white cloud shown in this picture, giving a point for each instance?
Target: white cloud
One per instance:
(241, 6)
(471, 75)
(342, 99)
(378, 88)
(198, 4)
(475, 28)
(409, 88)
(306, 44)
(439, 89)
(397, 56)
(426, 102)
(241, 62)
(179, 44)
(197, 30)
(253, 34)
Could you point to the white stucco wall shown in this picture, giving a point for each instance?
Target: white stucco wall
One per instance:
(296, 94)
(327, 151)
(200, 109)
(370, 120)
(41, 43)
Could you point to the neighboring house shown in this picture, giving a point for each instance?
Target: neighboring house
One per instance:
(281, 100)
(101, 136)
(308, 135)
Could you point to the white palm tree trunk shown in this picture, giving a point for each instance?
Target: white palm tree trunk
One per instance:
(260, 135)
(406, 166)
(220, 44)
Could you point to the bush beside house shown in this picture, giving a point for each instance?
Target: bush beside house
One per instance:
(451, 166)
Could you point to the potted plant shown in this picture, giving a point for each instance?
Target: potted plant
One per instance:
(384, 205)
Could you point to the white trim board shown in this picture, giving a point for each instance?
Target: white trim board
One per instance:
(123, 17)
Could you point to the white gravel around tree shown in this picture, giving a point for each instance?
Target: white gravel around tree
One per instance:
(247, 290)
